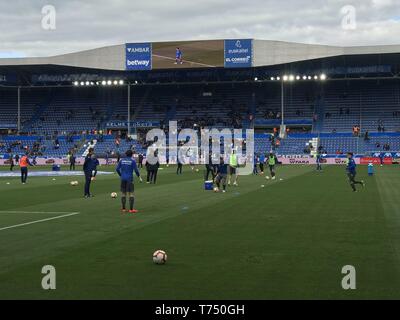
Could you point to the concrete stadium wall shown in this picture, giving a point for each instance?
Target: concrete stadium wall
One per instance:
(106, 58)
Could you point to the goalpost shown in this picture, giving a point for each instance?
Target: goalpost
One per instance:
(169, 155)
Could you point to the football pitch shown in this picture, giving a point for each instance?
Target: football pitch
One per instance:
(288, 240)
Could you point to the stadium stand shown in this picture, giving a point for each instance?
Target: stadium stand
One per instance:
(333, 107)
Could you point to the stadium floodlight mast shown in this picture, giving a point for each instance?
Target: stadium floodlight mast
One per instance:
(104, 83)
(293, 78)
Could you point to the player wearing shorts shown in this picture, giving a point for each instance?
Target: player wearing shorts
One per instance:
(351, 172)
(233, 164)
(125, 169)
(178, 56)
(271, 164)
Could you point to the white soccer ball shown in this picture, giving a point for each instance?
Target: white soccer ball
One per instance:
(114, 195)
(159, 257)
(74, 183)
(262, 186)
(216, 189)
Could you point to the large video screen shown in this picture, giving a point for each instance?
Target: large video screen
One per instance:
(234, 53)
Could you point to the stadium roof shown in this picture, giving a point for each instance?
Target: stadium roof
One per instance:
(265, 53)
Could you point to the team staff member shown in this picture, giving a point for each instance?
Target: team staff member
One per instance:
(125, 169)
(88, 167)
(24, 163)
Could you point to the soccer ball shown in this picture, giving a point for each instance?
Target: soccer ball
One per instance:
(216, 189)
(74, 183)
(159, 257)
(197, 170)
(114, 195)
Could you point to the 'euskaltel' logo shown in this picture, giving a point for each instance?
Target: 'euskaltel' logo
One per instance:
(192, 146)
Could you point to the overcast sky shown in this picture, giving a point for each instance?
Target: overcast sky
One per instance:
(89, 24)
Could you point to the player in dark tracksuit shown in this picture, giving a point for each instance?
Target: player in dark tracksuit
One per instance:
(179, 167)
(88, 167)
(222, 174)
(125, 169)
(96, 163)
(351, 172)
(210, 168)
(11, 162)
(72, 161)
(153, 170)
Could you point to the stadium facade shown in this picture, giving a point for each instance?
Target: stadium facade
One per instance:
(264, 53)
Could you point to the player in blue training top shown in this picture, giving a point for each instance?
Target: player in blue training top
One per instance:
(351, 172)
(125, 169)
(178, 56)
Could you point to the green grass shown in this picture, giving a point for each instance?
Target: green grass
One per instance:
(287, 240)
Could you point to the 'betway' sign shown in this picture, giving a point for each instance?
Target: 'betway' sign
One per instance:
(138, 56)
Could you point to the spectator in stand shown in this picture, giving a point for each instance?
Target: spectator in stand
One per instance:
(366, 136)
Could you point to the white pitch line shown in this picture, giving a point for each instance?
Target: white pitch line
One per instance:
(50, 212)
(38, 221)
(187, 61)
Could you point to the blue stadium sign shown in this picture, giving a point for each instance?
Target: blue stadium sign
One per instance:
(138, 56)
(134, 124)
(238, 53)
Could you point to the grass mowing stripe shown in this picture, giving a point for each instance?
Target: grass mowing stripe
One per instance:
(388, 187)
